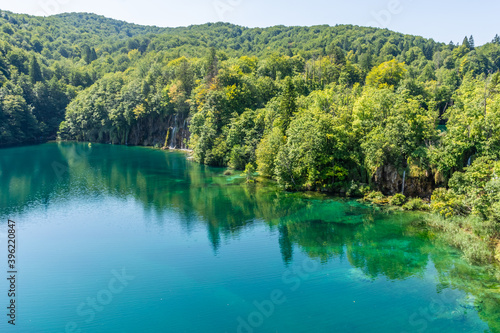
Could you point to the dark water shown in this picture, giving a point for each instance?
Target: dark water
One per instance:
(120, 239)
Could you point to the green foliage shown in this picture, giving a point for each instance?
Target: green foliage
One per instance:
(447, 203)
(465, 234)
(356, 190)
(476, 191)
(387, 74)
(376, 197)
(314, 154)
(249, 172)
(35, 71)
(290, 100)
(471, 207)
(336, 109)
(266, 152)
(397, 199)
(415, 204)
(288, 104)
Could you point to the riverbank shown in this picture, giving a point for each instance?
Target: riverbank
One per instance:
(477, 239)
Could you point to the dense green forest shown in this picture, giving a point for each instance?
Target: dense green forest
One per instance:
(344, 109)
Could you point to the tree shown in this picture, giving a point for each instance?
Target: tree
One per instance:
(314, 155)
(19, 125)
(249, 172)
(365, 62)
(35, 71)
(338, 56)
(466, 43)
(86, 54)
(471, 42)
(93, 54)
(267, 151)
(288, 104)
(211, 65)
(387, 74)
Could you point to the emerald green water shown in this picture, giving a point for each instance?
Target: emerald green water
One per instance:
(197, 251)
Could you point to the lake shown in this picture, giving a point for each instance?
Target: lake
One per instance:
(131, 239)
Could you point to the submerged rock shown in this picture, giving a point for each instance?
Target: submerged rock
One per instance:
(468, 302)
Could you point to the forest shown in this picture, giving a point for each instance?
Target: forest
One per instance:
(356, 111)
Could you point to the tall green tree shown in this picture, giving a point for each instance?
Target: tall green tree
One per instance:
(35, 71)
(288, 104)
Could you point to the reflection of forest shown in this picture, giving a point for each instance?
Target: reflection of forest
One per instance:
(379, 244)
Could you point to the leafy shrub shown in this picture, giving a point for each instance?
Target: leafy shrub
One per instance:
(415, 204)
(249, 172)
(447, 203)
(376, 197)
(397, 199)
(356, 190)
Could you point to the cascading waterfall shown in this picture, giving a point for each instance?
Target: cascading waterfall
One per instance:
(172, 144)
(185, 133)
(178, 132)
(172, 140)
(469, 161)
(404, 179)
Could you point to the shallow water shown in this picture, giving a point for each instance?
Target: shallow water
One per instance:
(127, 239)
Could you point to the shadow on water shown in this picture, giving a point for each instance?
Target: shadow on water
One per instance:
(391, 245)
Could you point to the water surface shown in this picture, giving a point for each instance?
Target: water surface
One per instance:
(196, 251)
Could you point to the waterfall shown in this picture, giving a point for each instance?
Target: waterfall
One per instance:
(468, 162)
(404, 178)
(184, 133)
(172, 141)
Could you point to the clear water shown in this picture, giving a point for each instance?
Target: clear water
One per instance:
(196, 251)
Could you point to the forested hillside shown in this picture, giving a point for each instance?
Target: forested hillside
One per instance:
(339, 109)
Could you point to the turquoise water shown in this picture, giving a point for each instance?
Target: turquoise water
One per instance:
(126, 239)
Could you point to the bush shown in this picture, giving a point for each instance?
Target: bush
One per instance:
(416, 204)
(373, 195)
(228, 172)
(356, 190)
(447, 203)
(397, 199)
(376, 197)
(249, 172)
